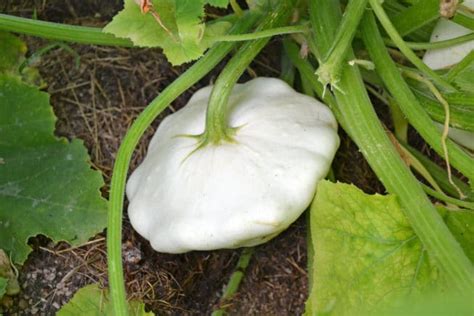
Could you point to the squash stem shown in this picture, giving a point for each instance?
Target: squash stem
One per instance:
(217, 129)
(124, 155)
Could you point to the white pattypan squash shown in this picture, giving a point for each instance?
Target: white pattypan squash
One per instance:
(239, 193)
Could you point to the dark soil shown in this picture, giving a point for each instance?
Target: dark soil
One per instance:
(97, 102)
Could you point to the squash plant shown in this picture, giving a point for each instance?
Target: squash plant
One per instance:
(368, 254)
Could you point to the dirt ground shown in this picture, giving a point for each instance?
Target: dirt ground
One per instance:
(97, 102)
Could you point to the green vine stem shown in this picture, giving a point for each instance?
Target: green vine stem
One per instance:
(235, 280)
(291, 29)
(440, 175)
(330, 69)
(217, 128)
(117, 186)
(465, 19)
(445, 198)
(357, 116)
(409, 104)
(434, 45)
(60, 32)
(398, 40)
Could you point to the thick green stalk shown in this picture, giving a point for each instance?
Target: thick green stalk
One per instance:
(358, 118)
(217, 128)
(60, 32)
(117, 186)
(398, 40)
(409, 104)
(329, 71)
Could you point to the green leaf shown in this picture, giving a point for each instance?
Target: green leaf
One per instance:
(46, 185)
(445, 304)
(416, 16)
(93, 301)
(12, 51)
(461, 113)
(367, 257)
(12, 286)
(461, 224)
(218, 3)
(462, 74)
(181, 41)
(12, 55)
(3, 286)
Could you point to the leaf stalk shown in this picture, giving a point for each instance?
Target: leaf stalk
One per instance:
(60, 32)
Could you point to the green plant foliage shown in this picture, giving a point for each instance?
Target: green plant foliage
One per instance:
(46, 185)
(218, 3)
(12, 51)
(3, 286)
(184, 38)
(464, 78)
(12, 55)
(367, 257)
(441, 305)
(461, 224)
(93, 301)
(12, 286)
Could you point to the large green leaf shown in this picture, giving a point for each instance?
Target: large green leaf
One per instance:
(367, 257)
(46, 184)
(182, 40)
(92, 301)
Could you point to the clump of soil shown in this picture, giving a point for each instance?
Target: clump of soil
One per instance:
(97, 102)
